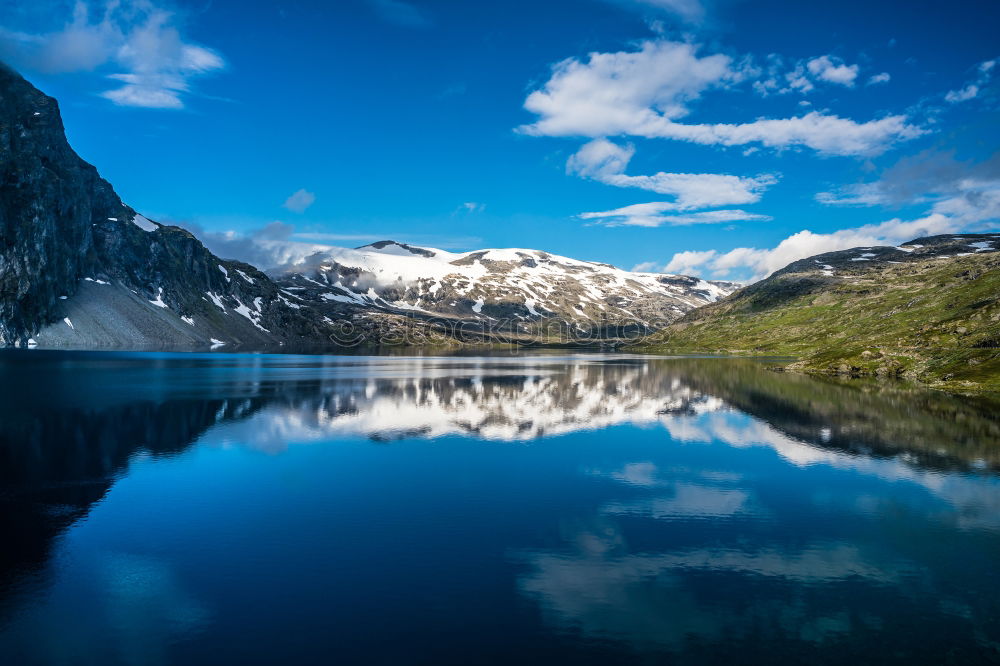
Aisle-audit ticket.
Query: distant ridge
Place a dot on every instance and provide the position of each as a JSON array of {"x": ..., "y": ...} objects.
[
  {"x": 927, "y": 310},
  {"x": 520, "y": 287}
]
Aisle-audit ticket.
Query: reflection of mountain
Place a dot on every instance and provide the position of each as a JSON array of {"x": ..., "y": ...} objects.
[
  {"x": 55, "y": 464},
  {"x": 517, "y": 399},
  {"x": 496, "y": 400},
  {"x": 77, "y": 420},
  {"x": 930, "y": 428}
]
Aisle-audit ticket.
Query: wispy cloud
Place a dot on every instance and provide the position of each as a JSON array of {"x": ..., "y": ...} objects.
[
  {"x": 929, "y": 175},
  {"x": 605, "y": 161},
  {"x": 972, "y": 89},
  {"x": 138, "y": 44},
  {"x": 659, "y": 213},
  {"x": 401, "y": 13},
  {"x": 278, "y": 243},
  {"x": 299, "y": 201},
  {"x": 264, "y": 247},
  {"x": 692, "y": 11},
  {"x": 442, "y": 242},
  {"x": 961, "y": 197},
  {"x": 858, "y": 194}
]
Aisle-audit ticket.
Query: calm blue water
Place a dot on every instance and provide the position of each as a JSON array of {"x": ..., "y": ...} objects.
[{"x": 252, "y": 509}]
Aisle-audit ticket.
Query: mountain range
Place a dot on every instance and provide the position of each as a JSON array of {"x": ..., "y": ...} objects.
[
  {"x": 79, "y": 268},
  {"x": 518, "y": 291}
]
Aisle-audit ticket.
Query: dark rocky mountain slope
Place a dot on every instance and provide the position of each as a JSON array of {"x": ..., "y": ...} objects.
[{"x": 78, "y": 267}]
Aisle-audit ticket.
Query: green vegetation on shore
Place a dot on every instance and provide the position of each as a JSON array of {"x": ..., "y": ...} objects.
[{"x": 934, "y": 320}]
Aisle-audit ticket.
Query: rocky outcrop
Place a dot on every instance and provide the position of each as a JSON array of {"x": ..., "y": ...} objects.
[{"x": 67, "y": 241}]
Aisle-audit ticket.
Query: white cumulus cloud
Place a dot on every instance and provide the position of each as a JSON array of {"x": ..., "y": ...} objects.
[
  {"x": 622, "y": 92},
  {"x": 138, "y": 44},
  {"x": 830, "y": 69},
  {"x": 687, "y": 262},
  {"x": 646, "y": 92}
]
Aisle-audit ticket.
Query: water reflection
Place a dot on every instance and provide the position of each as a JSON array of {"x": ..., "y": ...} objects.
[
  {"x": 730, "y": 564},
  {"x": 704, "y": 507}
]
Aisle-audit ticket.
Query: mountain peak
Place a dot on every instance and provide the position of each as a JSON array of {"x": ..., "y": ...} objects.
[{"x": 395, "y": 247}]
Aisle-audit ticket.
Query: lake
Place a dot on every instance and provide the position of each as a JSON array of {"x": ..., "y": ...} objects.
[{"x": 162, "y": 508}]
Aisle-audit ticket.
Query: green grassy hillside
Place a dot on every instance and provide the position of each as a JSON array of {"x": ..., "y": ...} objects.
[{"x": 933, "y": 318}]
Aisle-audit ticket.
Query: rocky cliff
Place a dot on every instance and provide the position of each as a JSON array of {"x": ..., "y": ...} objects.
[{"x": 79, "y": 267}]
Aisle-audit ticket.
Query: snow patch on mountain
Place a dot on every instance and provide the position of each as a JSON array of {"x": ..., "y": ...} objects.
[
  {"x": 142, "y": 222},
  {"x": 494, "y": 284}
]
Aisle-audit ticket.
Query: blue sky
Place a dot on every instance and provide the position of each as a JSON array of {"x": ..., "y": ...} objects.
[{"x": 713, "y": 137}]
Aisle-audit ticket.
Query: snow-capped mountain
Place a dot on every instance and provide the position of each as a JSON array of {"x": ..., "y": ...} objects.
[
  {"x": 494, "y": 287},
  {"x": 80, "y": 268}
]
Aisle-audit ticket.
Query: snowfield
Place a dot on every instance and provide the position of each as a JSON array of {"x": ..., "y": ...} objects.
[{"x": 493, "y": 283}]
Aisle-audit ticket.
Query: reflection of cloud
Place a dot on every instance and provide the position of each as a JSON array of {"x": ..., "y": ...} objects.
[
  {"x": 687, "y": 499},
  {"x": 701, "y": 497},
  {"x": 975, "y": 505},
  {"x": 105, "y": 608},
  {"x": 646, "y": 599},
  {"x": 638, "y": 474},
  {"x": 148, "y": 607},
  {"x": 728, "y": 533}
]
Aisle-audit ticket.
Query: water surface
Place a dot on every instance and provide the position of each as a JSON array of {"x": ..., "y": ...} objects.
[{"x": 257, "y": 509}]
